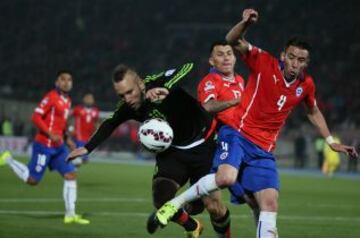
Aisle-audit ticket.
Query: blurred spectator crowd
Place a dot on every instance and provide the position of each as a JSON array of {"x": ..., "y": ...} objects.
[{"x": 90, "y": 37}]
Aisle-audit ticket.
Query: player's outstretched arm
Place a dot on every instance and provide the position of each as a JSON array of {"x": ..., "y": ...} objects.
[
  {"x": 317, "y": 119},
  {"x": 107, "y": 127},
  {"x": 214, "y": 106},
  {"x": 236, "y": 35}
]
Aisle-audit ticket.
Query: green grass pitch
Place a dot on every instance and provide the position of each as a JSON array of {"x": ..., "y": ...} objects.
[{"x": 117, "y": 200}]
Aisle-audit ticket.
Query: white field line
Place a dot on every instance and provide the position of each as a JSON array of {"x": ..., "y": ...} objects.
[
  {"x": 56, "y": 200},
  {"x": 234, "y": 216},
  {"x": 145, "y": 200}
]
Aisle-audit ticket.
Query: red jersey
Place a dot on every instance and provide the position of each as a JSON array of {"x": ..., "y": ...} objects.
[
  {"x": 85, "y": 121},
  {"x": 268, "y": 98},
  {"x": 218, "y": 87},
  {"x": 51, "y": 116}
]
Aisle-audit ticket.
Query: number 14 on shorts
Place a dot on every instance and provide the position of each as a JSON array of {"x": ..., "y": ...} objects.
[{"x": 224, "y": 146}]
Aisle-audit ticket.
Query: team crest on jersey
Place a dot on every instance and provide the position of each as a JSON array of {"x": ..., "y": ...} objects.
[
  {"x": 169, "y": 72},
  {"x": 209, "y": 86},
  {"x": 299, "y": 91},
  {"x": 224, "y": 155}
]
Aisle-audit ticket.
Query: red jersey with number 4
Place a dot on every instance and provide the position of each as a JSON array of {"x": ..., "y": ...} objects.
[
  {"x": 85, "y": 122},
  {"x": 268, "y": 98},
  {"x": 220, "y": 88},
  {"x": 51, "y": 116}
]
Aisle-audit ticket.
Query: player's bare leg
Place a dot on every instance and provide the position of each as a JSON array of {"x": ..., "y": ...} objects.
[
  {"x": 219, "y": 214},
  {"x": 252, "y": 203},
  {"x": 163, "y": 190},
  {"x": 268, "y": 203},
  {"x": 224, "y": 177}
]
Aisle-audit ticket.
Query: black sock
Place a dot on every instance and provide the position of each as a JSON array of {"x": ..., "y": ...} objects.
[
  {"x": 222, "y": 225},
  {"x": 185, "y": 220}
]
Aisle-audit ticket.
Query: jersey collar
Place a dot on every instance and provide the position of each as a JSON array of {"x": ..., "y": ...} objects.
[
  {"x": 288, "y": 84},
  {"x": 64, "y": 96},
  {"x": 225, "y": 78}
]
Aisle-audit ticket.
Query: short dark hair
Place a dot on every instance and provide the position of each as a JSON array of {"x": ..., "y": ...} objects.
[
  {"x": 298, "y": 42},
  {"x": 218, "y": 42},
  {"x": 120, "y": 71},
  {"x": 63, "y": 71}
]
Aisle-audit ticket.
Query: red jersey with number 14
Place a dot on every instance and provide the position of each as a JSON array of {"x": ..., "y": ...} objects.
[
  {"x": 85, "y": 121},
  {"x": 268, "y": 98},
  {"x": 220, "y": 88},
  {"x": 51, "y": 116}
]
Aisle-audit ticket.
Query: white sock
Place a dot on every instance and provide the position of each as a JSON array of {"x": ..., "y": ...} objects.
[
  {"x": 70, "y": 194},
  {"x": 267, "y": 225},
  {"x": 20, "y": 169},
  {"x": 203, "y": 187}
]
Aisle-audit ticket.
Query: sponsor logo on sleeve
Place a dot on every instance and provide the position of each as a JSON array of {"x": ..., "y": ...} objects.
[
  {"x": 170, "y": 72},
  {"x": 209, "y": 86}
]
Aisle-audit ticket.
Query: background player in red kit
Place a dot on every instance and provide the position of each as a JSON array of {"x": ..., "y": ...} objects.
[
  {"x": 274, "y": 88},
  {"x": 86, "y": 118},
  {"x": 50, "y": 118}
]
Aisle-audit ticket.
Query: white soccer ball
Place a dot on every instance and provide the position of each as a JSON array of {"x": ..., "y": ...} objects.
[{"x": 156, "y": 135}]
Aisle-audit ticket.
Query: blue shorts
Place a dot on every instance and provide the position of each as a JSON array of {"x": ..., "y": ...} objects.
[
  {"x": 43, "y": 157},
  {"x": 79, "y": 144},
  {"x": 257, "y": 167}
]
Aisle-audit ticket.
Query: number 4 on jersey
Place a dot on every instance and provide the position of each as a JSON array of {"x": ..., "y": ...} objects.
[{"x": 281, "y": 102}]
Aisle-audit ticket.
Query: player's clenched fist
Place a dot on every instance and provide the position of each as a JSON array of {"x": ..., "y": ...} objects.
[
  {"x": 157, "y": 94},
  {"x": 250, "y": 15}
]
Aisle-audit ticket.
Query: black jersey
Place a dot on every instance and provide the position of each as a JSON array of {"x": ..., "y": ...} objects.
[{"x": 189, "y": 121}]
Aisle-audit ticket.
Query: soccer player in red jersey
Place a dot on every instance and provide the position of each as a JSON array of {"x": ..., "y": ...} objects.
[
  {"x": 273, "y": 89},
  {"x": 86, "y": 118},
  {"x": 49, "y": 150},
  {"x": 220, "y": 90}
]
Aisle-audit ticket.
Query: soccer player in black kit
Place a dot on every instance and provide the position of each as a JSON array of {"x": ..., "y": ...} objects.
[{"x": 190, "y": 155}]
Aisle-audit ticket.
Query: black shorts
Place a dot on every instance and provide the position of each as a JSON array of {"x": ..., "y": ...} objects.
[{"x": 185, "y": 165}]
